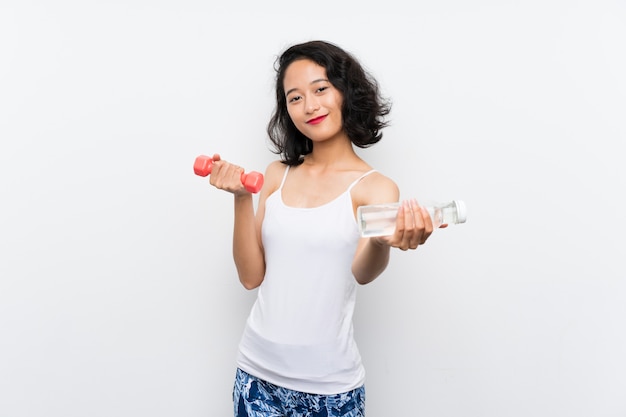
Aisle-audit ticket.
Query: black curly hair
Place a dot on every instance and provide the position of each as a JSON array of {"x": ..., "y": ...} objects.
[{"x": 363, "y": 110}]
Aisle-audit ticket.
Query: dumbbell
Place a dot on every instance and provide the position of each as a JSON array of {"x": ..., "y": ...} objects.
[{"x": 252, "y": 181}]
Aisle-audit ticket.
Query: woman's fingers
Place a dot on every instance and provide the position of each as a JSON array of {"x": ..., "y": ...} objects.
[
  {"x": 399, "y": 239},
  {"x": 413, "y": 226},
  {"x": 428, "y": 225},
  {"x": 225, "y": 175}
]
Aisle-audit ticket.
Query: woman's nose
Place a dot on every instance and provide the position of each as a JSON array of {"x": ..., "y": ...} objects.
[{"x": 312, "y": 105}]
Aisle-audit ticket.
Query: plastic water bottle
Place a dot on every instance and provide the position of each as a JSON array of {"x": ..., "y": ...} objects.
[{"x": 380, "y": 219}]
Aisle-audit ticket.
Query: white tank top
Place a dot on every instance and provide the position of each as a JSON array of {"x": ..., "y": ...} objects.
[{"x": 299, "y": 334}]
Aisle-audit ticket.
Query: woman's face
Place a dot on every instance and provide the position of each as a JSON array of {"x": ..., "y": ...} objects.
[{"x": 313, "y": 103}]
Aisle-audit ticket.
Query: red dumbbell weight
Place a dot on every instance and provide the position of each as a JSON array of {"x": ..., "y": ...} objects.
[{"x": 252, "y": 181}]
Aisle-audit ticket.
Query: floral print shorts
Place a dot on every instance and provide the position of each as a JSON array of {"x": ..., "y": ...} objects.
[{"x": 253, "y": 397}]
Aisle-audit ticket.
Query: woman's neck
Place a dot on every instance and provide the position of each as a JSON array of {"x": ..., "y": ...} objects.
[{"x": 326, "y": 154}]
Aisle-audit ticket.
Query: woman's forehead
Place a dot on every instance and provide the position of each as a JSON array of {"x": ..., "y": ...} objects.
[{"x": 304, "y": 71}]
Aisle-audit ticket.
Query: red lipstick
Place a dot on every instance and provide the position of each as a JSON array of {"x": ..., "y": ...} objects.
[{"x": 316, "y": 120}]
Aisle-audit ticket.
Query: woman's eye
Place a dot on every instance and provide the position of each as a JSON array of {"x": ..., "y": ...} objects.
[
  {"x": 321, "y": 89},
  {"x": 293, "y": 99}
]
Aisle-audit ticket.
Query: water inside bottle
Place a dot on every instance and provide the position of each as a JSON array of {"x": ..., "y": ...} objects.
[
  {"x": 377, "y": 220},
  {"x": 380, "y": 219}
]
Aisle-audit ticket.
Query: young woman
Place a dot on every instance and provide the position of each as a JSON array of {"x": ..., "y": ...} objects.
[{"x": 302, "y": 249}]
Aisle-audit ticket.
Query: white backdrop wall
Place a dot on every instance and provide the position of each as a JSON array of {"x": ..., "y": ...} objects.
[{"x": 118, "y": 294}]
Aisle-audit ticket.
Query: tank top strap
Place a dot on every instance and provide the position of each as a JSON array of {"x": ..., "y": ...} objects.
[
  {"x": 359, "y": 179},
  {"x": 284, "y": 178}
]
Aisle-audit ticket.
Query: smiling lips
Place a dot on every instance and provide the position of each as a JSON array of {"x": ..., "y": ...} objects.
[{"x": 317, "y": 120}]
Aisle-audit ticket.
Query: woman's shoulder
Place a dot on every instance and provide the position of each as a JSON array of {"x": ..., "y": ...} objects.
[
  {"x": 376, "y": 188},
  {"x": 275, "y": 170},
  {"x": 274, "y": 173}
]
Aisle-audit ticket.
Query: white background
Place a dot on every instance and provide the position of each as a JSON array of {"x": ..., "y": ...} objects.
[{"x": 118, "y": 293}]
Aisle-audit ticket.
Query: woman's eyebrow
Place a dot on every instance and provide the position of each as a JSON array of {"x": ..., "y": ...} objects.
[{"x": 311, "y": 83}]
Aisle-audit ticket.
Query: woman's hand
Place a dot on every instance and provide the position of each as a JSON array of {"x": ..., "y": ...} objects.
[
  {"x": 413, "y": 227},
  {"x": 226, "y": 176}
]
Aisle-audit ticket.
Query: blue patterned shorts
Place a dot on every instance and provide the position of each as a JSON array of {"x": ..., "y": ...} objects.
[{"x": 253, "y": 397}]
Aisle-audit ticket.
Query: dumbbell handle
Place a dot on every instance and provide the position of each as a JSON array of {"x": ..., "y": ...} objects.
[{"x": 252, "y": 181}]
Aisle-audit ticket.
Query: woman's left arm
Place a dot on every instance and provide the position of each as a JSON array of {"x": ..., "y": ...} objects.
[{"x": 413, "y": 227}]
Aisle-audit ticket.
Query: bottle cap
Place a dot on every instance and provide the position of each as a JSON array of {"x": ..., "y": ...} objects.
[{"x": 461, "y": 211}]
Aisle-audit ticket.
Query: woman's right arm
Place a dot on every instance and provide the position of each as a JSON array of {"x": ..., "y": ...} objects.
[
  {"x": 247, "y": 248},
  {"x": 248, "y": 252}
]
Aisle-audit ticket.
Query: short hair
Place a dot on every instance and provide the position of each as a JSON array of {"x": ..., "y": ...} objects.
[{"x": 363, "y": 109}]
